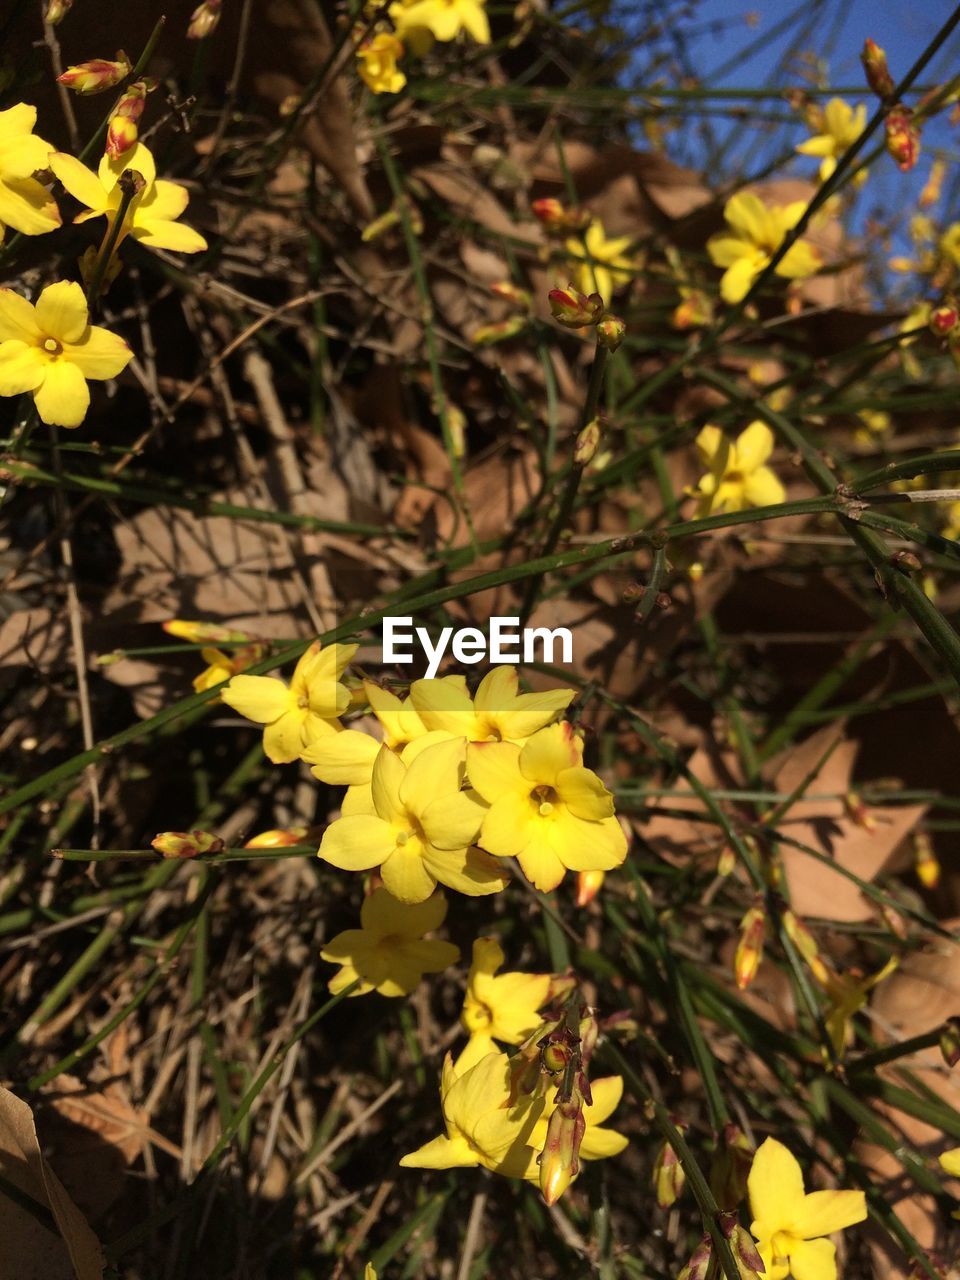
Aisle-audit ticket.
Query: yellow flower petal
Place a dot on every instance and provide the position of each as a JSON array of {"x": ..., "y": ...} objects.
[
  {"x": 442, "y": 1153},
  {"x": 99, "y": 354},
  {"x": 405, "y": 872},
  {"x": 27, "y": 206},
  {"x": 754, "y": 446},
  {"x": 541, "y": 865},
  {"x": 357, "y": 843},
  {"x": 950, "y": 1162},
  {"x": 584, "y": 794},
  {"x": 63, "y": 398},
  {"x": 436, "y": 771},
  {"x": 18, "y": 317},
  {"x": 813, "y": 1260},
  {"x": 508, "y": 826},
  {"x": 82, "y": 183},
  {"x": 22, "y": 367},
  {"x": 139, "y": 158},
  {"x": 748, "y": 214},
  {"x": 739, "y": 276},
  {"x": 259, "y": 698},
  {"x": 453, "y": 821},
  {"x": 62, "y": 311},
  {"x": 442, "y": 704},
  {"x": 468, "y": 871},
  {"x": 283, "y": 738},
  {"x": 494, "y": 769},
  {"x": 388, "y": 773},
  {"x": 342, "y": 759},
  {"x": 823, "y": 1212},
  {"x": 383, "y": 914},
  {"x": 800, "y": 260},
  {"x": 775, "y": 1184},
  {"x": 548, "y": 753},
  {"x": 763, "y": 489},
  {"x": 157, "y": 233}
]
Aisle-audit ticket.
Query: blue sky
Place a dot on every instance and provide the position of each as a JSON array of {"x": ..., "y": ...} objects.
[{"x": 833, "y": 30}]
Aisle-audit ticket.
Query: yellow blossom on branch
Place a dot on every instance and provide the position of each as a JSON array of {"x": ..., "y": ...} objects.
[
  {"x": 737, "y": 477},
  {"x": 840, "y": 126},
  {"x": 51, "y": 349},
  {"x": 789, "y": 1223},
  {"x": 950, "y": 1162},
  {"x": 296, "y": 714},
  {"x": 378, "y": 58},
  {"x": 25, "y": 204},
  {"x": 755, "y": 233},
  {"x": 601, "y": 265},
  {"x": 421, "y": 830},
  {"x": 440, "y": 19},
  {"x": 545, "y": 808},
  {"x": 481, "y": 1127},
  {"x": 499, "y": 1006},
  {"x": 153, "y": 213},
  {"x": 389, "y": 952},
  {"x": 498, "y": 712}
]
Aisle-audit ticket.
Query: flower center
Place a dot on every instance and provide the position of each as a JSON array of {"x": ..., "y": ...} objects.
[
  {"x": 52, "y": 346},
  {"x": 545, "y": 798}
]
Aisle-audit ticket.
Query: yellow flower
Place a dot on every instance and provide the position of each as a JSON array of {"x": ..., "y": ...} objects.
[
  {"x": 950, "y": 1162},
  {"x": 848, "y": 995},
  {"x": 598, "y": 1143},
  {"x": 298, "y": 714},
  {"x": 503, "y": 1007},
  {"x": 840, "y": 126},
  {"x": 389, "y": 952},
  {"x": 545, "y": 808},
  {"x": 369, "y": 1273},
  {"x": 378, "y": 58},
  {"x": 25, "y": 204},
  {"x": 602, "y": 265},
  {"x": 789, "y": 1224},
  {"x": 152, "y": 214},
  {"x": 755, "y": 233},
  {"x": 443, "y": 19},
  {"x": 51, "y": 349},
  {"x": 421, "y": 830},
  {"x": 497, "y": 712},
  {"x": 737, "y": 477},
  {"x": 221, "y": 666},
  {"x": 482, "y": 1129}
]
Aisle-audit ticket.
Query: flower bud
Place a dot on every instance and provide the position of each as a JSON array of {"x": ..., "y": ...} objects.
[
  {"x": 903, "y": 137},
  {"x": 203, "y": 632},
  {"x": 56, "y": 11},
  {"x": 513, "y": 293},
  {"x": 726, "y": 863},
  {"x": 587, "y": 443},
  {"x": 933, "y": 187},
  {"x": 731, "y": 1166},
  {"x": 204, "y": 19},
  {"x": 874, "y": 61},
  {"x": 124, "y": 119},
  {"x": 589, "y": 884},
  {"x": 858, "y": 812},
  {"x": 801, "y": 937},
  {"x": 743, "y": 1247},
  {"x": 560, "y": 1159},
  {"x": 950, "y": 1041},
  {"x": 746, "y": 962},
  {"x": 186, "y": 844},
  {"x": 944, "y": 319},
  {"x": 610, "y": 332},
  {"x": 574, "y": 309},
  {"x": 589, "y": 1035},
  {"x": 558, "y": 220},
  {"x": 699, "y": 1264},
  {"x": 693, "y": 312},
  {"x": 96, "y": 76},
  {"x": 555, "y": 1057},
  {"x": 927, "y": 864},
  {"x": 489, "y": 334},
  {"x": 668, "y": 1175},
  {"x": 278, "y": 838}
]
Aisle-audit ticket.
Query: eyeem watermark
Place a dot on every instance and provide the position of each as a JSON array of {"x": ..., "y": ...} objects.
[{"x": 507, "y": 642}]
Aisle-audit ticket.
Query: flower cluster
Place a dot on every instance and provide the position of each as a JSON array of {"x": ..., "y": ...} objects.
[
  {"x": 414, "y": 26},
  {"x": 51, "y": 350}
]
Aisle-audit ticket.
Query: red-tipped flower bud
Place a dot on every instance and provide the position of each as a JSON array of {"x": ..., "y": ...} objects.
[
  {"x": 950, "y": 1041},
  {"x": 753, "y": 928},
  {"x": 587, "y": 444},
  {"x": 186, "y": 844},
  {"x": 558, "y": 220},
  {"x": 489, "y": 334},
  {"x": 96, "y": 76},
  {"x": 56, "y": 11},
  {"x": 903, "y": 137},
  {"x": 668, "y": 1175},
  {"x": 560, "y": 1158},
  {"x": 875, "y": 65},
  {"x": 944, "y": 319},
  {"x": 589, "y": 884},
  {"x": 513, "y": 293},
  {"x": 699, "y": 1264},
  {"x": 574, "y": 309},
  {"x": 122, "y": 128}
]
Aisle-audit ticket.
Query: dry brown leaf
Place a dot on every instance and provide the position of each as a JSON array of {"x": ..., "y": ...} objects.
[
  {"x": 28, "y": 1251},
  {"x": 825, "y": 825}
]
